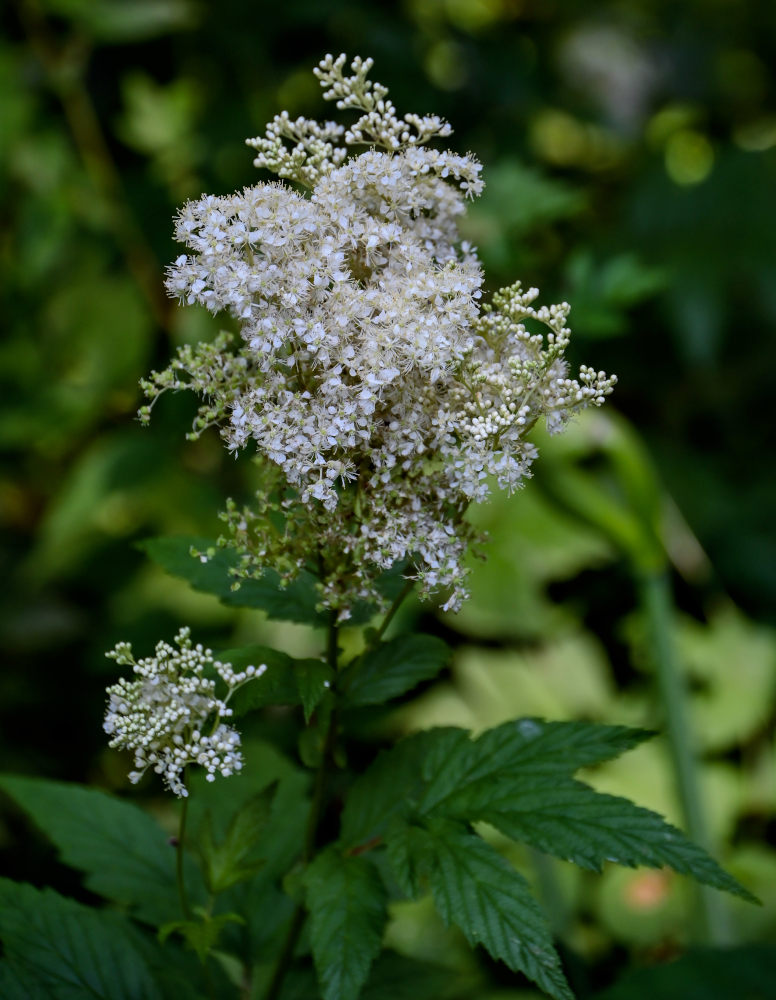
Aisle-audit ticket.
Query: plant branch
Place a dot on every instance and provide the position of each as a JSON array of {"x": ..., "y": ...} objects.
[{"x": 403, "y": 593}]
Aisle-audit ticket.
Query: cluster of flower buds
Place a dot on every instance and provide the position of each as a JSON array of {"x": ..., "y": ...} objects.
[{"x": 170, "y": 716}]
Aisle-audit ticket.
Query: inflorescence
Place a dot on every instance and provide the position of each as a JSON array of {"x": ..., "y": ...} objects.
[
  {"x": 171, "y": 716},
  {"x": 380, "y": 394}
]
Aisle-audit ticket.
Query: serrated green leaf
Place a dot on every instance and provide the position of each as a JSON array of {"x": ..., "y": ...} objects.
[
  {"x": 124, "y": 853},
  {"x": 529, "y": 747},
  {"x": 230, "y": 861},
  {"x": 570, "y": 820},
  {"x": 394, "y": 668},
  {"x": 476, "y": 889},
  {"x": 20, "y": 984},
  {"x": 295, "y": 602},
  {"x": 313, "y": 680},
  {"x": 71, "y": 950},
  {"x": 347, "y": 903},
  {"x": 393, "y": 784}
]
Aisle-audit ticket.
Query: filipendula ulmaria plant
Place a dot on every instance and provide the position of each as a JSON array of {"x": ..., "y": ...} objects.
[{"x": 380, "y": 397}]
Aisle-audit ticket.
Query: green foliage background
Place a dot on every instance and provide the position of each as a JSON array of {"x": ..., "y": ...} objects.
[{"x": 630, "y": 163}]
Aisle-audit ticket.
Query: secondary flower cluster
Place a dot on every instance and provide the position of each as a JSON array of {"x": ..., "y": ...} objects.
[
  {"x": 170, "y": 715},
  {"x": 367, "y": 373}
]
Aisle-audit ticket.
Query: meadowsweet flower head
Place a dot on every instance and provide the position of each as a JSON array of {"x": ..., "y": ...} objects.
[
  {"x": 171, "y": 715},
  {"x": 381, "y": 395}
]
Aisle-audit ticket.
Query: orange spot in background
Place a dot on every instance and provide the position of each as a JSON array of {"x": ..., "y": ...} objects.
[{"x": 648, "y": 890}]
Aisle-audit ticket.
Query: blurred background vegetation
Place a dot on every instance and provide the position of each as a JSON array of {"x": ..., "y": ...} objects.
[{"x": 630, "y": 161}]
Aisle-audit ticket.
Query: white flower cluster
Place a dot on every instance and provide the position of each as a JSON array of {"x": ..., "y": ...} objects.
[
  {"x": 367, "y": 370},
  {"x": 170, "y": 715}
]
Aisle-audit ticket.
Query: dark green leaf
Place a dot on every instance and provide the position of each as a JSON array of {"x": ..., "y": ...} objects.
[
  {"x": 528, "y": 747},
  {"x": 276, "y": 686},
  {"x": 395, "y": 977},
  {"x": 286, "y": 681},
  {"x": 475, "y": 888},
  {"x": 390, "y": 584},
  {"x": 201, "y": 935},
  {"x": 347, "y": 903},
  {"x": 20, "y": 984},
  {"x": 394, "y": 668},
  {"x": 233, "y": 859},
  {"x": 125, "y": 853},
  {"x": 568, "y": 819},
  {"x": 279, "y": 844},
  {"x": 393, "y": 784},
  {"x": 704, "y": 974},
  {"x": 295, "y": 602},
  {"x": 313, "y": 680},
  {"x": 71, "y": 950}
]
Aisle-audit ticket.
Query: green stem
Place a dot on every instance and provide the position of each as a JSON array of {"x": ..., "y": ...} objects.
[
  {"x": 657, "y": 603},
  {"x": 299, "y": 916},
  {"x": 404, "y": 592},
  {"x": 331, "y": 645},
  {"x": 182, "y": 894}
]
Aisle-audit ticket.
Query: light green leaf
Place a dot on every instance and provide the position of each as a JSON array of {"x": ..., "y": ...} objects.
[
  {"x": 125, "y": 853},
  {"x": 70, "y": 950},
  {"x": 520, "y": 198},
  {"x": 475, "y": 888},
  {"x": 394, "y": 668},
  {"x": 295, "y": 602},
  {"x": 347, "y": 903},
  {"x": 120, "y": 21}
]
